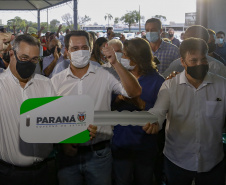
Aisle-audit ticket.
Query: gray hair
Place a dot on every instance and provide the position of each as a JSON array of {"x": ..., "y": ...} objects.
[
  {"x": 115, "y": 41},
  {"x": 27, "y": 39}
]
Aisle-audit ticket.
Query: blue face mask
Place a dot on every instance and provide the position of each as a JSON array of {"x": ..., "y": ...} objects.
[
  {"x": 152, "y": 36},
  {"x": 219, "y": 41}
]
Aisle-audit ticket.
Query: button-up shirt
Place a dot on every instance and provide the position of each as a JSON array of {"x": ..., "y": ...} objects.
[
  {"x": 97, "y": 83},
  {"x": 13, "y": 150},
  {"x": 166, "y": 53},
  {"x": 47, "y": 61},
  {"x": 215, "y": 67},
  {"x": 195, "y": 121}
]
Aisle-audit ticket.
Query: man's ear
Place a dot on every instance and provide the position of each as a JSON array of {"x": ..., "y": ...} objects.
[
  {"x": 66, "y": 53},
  {"x": 11, "y": 53},
  {"x": 182, "y": 62}
]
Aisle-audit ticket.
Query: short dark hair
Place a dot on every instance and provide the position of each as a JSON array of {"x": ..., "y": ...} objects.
[
  {"x": 192, "y": 45},
  {"x": 109, "y": 28},
  {"x": 154, "y": 20},
  {"x": 77, "y": 33},
  {"x": 198, "y": 31},
  {"x": 221, "y": 32},
  {"x": 27, "y": 39},
  {"x": 52, "y": 33},
  {"x": 139, "y": 51},
  {"x": 2, "y": 29}
]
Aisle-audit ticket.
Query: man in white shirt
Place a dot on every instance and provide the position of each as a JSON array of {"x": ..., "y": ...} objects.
[
  {"x": 194, "y": 103},
  {"x": 22, "y": 163},
  {"x": 52, "y": 60},
  {"x": 92, "y": 161},
  {"x": 215, "y": 66}
]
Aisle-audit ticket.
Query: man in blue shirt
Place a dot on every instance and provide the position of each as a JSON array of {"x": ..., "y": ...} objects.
[
  {"x": 171, "y": 37},
  {"x": 165, "y": 52},
  {"x": 221, "y": 45}
]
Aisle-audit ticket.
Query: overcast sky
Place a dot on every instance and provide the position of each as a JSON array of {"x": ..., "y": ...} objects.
[{"x": 174, "y": 10}]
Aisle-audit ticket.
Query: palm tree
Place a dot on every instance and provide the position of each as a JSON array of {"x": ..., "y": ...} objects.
[{"x": 108, "y": 16}]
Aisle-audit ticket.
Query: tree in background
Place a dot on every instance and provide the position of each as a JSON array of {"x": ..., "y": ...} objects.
[
  {"x": 18, "y": 22},
  {"x": 45, "y": 25},
  {"x": 109, "y": 17},
  {"x": 67, "y": 18},
  {"x": 131, "y": 18},
  {"x": 116, "y": 21},
  {"x": 54, "y": 24},
  {"x": 161, "y": 17},
  {"x": 82, "y": 21}
]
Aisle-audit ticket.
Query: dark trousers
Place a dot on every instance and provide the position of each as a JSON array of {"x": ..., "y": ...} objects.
[
  {"x": 12, "y": 175},
  {"x": 179, "y": 176},
  {"x": 133, "y": 167}
]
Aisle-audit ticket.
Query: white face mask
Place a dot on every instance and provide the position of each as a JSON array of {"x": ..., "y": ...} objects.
[
  {"x": 80, "y": 58},
  {"x": 126, "y": 64},
  {"x": 118, "y": 55}
]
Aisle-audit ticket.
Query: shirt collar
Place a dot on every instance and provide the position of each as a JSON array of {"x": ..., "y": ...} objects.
[
  {"x": 91, "y": 69},
  {"x": 162, "y": 45},
  {"x": 183, "y": 79}
]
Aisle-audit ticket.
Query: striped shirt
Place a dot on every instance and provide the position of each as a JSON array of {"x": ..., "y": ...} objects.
[{"x": 166, "y": 53}]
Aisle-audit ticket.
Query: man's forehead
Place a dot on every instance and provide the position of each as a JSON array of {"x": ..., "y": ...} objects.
[
  {"x": 194, "y": 54},
  {"x": 151, "y": 24},
  {"x": 220, "y": 35},
  {"x": 26, "y": 49},
  {"x": 78, "y": 40}
]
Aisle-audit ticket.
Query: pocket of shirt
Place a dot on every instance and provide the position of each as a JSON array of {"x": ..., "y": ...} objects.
[{"x": 214, "y": 109}]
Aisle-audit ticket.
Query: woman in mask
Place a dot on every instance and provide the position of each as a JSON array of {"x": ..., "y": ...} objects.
[
  {"x": 97, "y": 55},
  {"x": 134, "y": 151}
]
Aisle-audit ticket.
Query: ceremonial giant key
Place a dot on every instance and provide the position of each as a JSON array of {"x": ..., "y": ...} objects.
[{"x": 64, "y": 119}]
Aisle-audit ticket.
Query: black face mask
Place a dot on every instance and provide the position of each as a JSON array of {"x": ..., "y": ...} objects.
[
  {"x": 24, "y": 69},
  {"x": 6, "y": 57},
  {"x": 198, "y": 72},
  {"x": 170, "y": 35},
  {"x": 212, "y": 47},
  {"x": 53, "y": 50}
]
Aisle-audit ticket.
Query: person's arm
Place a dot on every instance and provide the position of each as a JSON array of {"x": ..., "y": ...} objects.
[
  {"x": 40, "y": 31},
  {"x": 160, "y": 109},
  {"x": 14, "y": 29},
  {"x": 137, "y": 101},
  {"x": 48, "y": 70},
  {"x": 128, "y": 81},
  {"x": 26, "y": 29},
  {"x": 58, "y": 31}
]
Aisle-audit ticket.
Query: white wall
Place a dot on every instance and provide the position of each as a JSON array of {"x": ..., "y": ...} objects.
[{"x": 212, "y": 14}]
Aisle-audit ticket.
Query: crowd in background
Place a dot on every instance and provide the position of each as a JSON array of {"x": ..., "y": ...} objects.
[{"x": 182, "y": 83}]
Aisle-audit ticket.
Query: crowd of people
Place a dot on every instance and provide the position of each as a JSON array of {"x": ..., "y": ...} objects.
[{"x": 182, "y": 83}]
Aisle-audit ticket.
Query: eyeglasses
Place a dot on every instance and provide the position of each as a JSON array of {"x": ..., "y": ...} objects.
[{"x": 25, "y": 58}]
